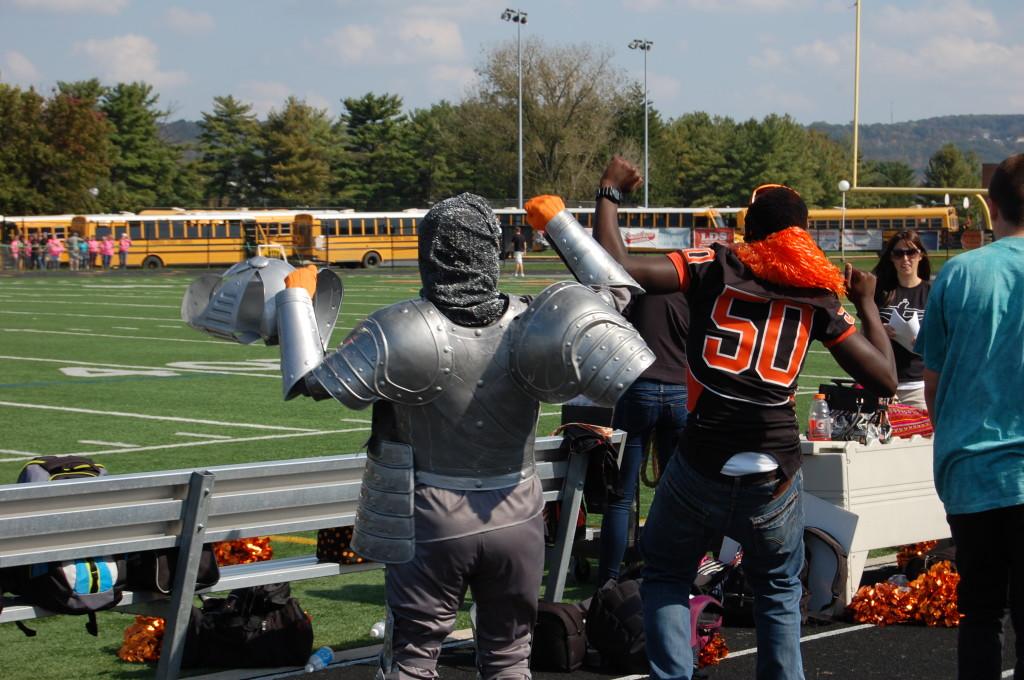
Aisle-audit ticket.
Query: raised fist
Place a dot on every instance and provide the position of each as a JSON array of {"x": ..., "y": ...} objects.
[{"x": 303, "y": 278}]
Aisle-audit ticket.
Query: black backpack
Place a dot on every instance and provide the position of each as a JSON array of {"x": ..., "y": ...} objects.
[
  {"x": 82, "y": 586},
  {"x": 258, "y": 627},
  {"x": 615, "y": 626},
  {"x": 822, "y": 553},
  {"x": 559, "y": 638}
]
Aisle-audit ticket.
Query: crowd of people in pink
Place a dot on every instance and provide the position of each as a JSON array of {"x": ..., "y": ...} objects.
[{"x": 47, "y": 251}]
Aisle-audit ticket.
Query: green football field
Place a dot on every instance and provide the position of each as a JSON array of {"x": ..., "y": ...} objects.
[{"x": 101, "y": 365}]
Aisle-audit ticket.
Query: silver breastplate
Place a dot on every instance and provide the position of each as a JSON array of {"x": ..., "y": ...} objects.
[{"x": 478, "y": 432}]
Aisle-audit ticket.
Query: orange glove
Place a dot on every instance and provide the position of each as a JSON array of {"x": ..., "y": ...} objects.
[
  {"x": 303, "y": 278},
  {"x": 540, "y": 210}
]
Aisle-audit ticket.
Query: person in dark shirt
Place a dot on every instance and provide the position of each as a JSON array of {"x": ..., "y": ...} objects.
[
  {"x": 518, "y": 248},
  {"x": 653, "y": 408},
  {"x": 904, "y": 281},
  {"x": 754, "y": 308}
]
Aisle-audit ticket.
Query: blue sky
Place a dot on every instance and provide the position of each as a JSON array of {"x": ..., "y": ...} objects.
[{"x": 738, "y": 58}]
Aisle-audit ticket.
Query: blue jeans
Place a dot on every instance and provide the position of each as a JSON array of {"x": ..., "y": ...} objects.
[
  {"x": 689, "y": 516},
  {"x": 649, "y": 408}
]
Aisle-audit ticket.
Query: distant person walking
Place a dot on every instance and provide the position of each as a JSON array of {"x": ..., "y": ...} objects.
[
  {"x": 973, "y": 370},
  {"x": 123, "y": 245},
  {"x": 72, "y": 246},
  {"x": 518, "y": 248},
  {"x": 16, "y": 251}
]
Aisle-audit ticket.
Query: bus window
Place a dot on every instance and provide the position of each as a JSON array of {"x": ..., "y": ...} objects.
[
  {"x": 673, "y": 220},
  {"x": 872, "y": 224},
  {"x": 408, "y": 226},
  {"x": 885, "y": 224},
  {"x": 163, "y": 229},
  {"x": 220, "y": 230},
  {"x": 104, "y": 230},
  {"x": 135, "y": 230},
  {"x": 178, "y": 229},
  {"x": 234, "y": 228}
]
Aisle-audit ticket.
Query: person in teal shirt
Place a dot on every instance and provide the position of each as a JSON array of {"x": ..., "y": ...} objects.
[{"x": 972, "y": 342}]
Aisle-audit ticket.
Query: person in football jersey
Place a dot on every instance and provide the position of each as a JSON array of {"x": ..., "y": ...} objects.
[
  {"x": 904, "y": 280},
  {"x": 754, "y": 308}
]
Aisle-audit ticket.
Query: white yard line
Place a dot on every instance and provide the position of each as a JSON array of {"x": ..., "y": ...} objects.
[
  {"x": 29, "y": 454},
  {"x": 99, "y": 442},
  {"x": 50, "y": 300},
  {"x": 251, "y": 372},
  {"x": 124, "y": 328},
  {"x": 183, "y": 445},
  {"x": 106, "y": 335},
  {"x": 95, "y": 316},
  {"x": 202, "y": 435},
  {"x": 144, "y": 416}
]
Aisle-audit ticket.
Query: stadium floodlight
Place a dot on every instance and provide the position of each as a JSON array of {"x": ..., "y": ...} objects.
[
  {"x": 518, "y": 17},
  {"x": 645, "y": 47}
]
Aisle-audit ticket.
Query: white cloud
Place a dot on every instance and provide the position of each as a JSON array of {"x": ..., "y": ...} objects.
[
  {"x": 942, "y": 57},
  {"x": 662, "y": 87},
  {"x": 746, "y": 5},
  {"x": 127, "y": 58},
  {"x": 767, "y": 59},
  {"x": 461, "y": 76},
  {"x": 353, "y": 43},
  {"x": 408, "y": 41},
  {"x": 430, "y": 39},
  {"x": 94, "y": 6},
  {"x": 264, "y": 95},
  {"x": 188, "y": 22},
  {"x": 957, "y": 17},
  {"x": 19, "y": 68},
  {"x": 818, "y": 52}
]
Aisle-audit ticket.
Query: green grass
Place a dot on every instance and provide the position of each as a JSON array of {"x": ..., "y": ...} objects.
[{"x": 100, "y": 364}]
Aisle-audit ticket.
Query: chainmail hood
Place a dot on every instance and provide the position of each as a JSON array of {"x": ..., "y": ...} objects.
[{"x": 458, "y": 256}]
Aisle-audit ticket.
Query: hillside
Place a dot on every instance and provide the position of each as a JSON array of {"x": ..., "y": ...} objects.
[{"x": 991, "y": 138}]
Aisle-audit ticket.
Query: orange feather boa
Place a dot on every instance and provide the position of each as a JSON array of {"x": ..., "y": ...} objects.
[{"x": 791, "y": 258}]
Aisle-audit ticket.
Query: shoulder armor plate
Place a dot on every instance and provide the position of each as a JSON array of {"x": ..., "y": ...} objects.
[
  {"x": 401, "y": 353},
  {"x": 570, "y": 342}
]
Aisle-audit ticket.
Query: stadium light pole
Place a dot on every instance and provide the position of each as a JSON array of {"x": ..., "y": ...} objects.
[
  {"x": 844, "y": 186},
  {"x": 518, "y": 17},
  {"x": 645, "y": 47}
]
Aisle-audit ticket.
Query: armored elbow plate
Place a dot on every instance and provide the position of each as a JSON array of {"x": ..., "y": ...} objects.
[
  {"x": 586, "y": 259},
  {"x": 240, "y": 304},
  {"x": 571, "y": 342}
]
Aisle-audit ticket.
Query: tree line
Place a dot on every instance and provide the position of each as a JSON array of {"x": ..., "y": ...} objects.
[{"x": 89, "y": 147}]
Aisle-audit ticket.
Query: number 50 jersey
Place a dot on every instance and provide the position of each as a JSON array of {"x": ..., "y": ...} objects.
[{"x": 748, "y": 337}]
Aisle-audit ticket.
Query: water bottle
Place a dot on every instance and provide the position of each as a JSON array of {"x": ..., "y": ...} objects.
[
  {"x": 377, "y": 630},
  {"x": 819, "y": 422},
  {"x": 320, "y": 660}
]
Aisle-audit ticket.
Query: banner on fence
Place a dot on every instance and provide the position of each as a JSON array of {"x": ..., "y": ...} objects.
[{"x": 703, "y": 238}]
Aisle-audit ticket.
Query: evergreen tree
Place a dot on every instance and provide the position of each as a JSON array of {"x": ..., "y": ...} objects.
[
  {"x": 379, "y": 158},
  {"x": 229, "y": 144},
  {"x": 78, "y": 162},
  {"x": 888, "y": 174},
  {"x": 950, "y": 167},
  {"x": 144, "y": 166},
  {"x": 299, "y": 144},
  {"x": 434, "y": 135}
]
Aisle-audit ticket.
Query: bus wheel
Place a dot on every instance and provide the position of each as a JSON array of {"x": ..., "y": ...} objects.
[
  {"x": 371, "y": 260},
  {"x": 152, "y": 262}
]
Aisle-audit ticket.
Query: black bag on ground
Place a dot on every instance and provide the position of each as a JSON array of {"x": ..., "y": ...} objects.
[
  {"x": 825, "y": 568},
  {"x": 153, "y": 570},
  {"x": 559, "y": 638},
  {"x": 262, "y": 626},
  {"x": 82, "y": 586},
  {"x": 615, "y": 626},
  {"x": 825, "y": 561},
  {"x": 944, "y": 551}
]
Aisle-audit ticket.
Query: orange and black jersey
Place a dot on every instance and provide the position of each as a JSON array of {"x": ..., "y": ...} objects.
[{"x": 747, "y": 343}]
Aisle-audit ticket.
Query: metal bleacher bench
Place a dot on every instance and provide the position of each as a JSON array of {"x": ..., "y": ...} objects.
[{"x": 186, "y": 508}]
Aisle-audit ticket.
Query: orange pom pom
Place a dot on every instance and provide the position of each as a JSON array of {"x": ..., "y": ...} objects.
[
  {"x": 304, "y": 277},
  {"x": 142, "y": 640},
  {"x": 540, "y": 210}
]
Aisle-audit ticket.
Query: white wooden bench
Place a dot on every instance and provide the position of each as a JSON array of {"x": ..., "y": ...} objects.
[{"x": 187, "y": 508}]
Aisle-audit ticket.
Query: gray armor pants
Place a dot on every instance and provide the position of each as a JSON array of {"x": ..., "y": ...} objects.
[{"x": 503, "y": 570}]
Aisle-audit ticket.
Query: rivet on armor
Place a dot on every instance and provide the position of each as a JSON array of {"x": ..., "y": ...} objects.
[
  {"x": 620, "y": 386},
  {"x": 447, "y": 349},
  {"x": 440, "y": 328},
  {"x": 554, "y": 308},
  {"x": 568, "y": 343},
  {"x": 593, "y": 368},
  {"x": 586, "y": 335},
  {"x": 438, "y": 388},
  {"x": 478, "y": 332},
  {"x": 603, "y": 347},
  {"x": 405, "y": 310},
  {"x": 478, "y": 483},
  {"x": 607, "y": 378},
  {"x": 446, "y": 371},
  {"x": 479, "y": 383},
  {"x": 479, "y": 423}
]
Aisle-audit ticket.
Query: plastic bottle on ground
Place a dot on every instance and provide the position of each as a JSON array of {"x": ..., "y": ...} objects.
[
  {"x": 819, "y": 420},
  {"x": 377, "y": 630},
  {"x": 320, "y": 660}
]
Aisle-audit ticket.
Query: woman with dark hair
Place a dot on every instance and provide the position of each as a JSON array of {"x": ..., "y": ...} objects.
[{"x": 904, "y": 281}]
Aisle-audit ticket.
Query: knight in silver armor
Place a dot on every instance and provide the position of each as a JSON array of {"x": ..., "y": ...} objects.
[{"x": 450, "y": 500}]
